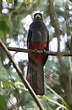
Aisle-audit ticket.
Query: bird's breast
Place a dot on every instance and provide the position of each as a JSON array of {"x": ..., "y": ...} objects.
[
  {"x": 39, "y": 35},
  {"x": 38, "y": 59}
]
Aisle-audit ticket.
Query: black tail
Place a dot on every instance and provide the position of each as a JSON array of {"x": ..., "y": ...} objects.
[{"x": 35, "y": 76}]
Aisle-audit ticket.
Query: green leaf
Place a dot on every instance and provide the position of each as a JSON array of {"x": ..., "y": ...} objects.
[
  {"x": 27, "y": 2},
  {"x": 4, "y": 27},
  {"x": 9, "y": 1},
  {"x": 8, "y": 84},
  {"x": 1, "y": 34},
  {"x": 3, "y": 105},
  {"x": 67, "y": 106},
  {"x": 38, "y": 1},
  {"x": 3, "y": 73}
]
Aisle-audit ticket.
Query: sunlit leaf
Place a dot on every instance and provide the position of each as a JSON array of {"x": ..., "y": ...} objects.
[
  {"x": 7, "y": 84},
  {"x": 19, "y": 85},
  {"x": 27, "y": 1},
  {"x": 9, "y": 1}
]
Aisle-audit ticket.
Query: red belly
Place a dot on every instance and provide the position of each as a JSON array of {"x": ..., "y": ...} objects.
[{"x": 38, "y": 59}]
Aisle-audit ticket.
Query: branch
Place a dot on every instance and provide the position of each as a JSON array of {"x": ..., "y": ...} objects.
[
  {"x": 58, "y": 108},
  {"x": 0, "y": 3},
  {"x": 64, "y": 79},
  {"x": 48, "y": 87},
  {"x": 55, "y": 102},
  {"x": 53, "y": 18},
  {"x": 39, "y": 51},
  {"x": 21, "y": 76}
]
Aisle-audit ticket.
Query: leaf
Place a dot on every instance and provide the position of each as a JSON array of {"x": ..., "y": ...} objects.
[
  {"x": 27, "y": 1},
  {"x": 9, "y": 1},
  {"x": 7, "y": 84},
  {"x": 1, "y": 34},
  {"x": 19, "y": 85},
  {"x": 4, "y": 27},
  {"x": 38, "y": 1},
  {"x": 67, "y": 106},
  {"x": 3, "y": 105},
  {"x": 3, "y": 73}
]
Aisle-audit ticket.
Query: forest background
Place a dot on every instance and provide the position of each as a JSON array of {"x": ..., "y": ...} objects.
[{"x": 15, "y": 18}]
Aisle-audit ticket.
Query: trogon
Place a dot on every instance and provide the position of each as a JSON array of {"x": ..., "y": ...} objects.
[{"x": 38, "y": 38}]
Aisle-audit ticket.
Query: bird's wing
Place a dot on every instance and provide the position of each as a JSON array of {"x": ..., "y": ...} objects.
[
  {"x": 29, "y": 38},
  {"x": 46, "y": 55},
  {"x": 47, "y": 40}
]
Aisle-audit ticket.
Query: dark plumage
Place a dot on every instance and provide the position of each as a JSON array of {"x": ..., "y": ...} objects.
[{"x": 38, "y": 38}]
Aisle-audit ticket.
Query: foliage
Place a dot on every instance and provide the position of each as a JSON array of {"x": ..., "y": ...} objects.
[
  {"x": 9, "y": 1},
  {"x": 3, "y": 105}
]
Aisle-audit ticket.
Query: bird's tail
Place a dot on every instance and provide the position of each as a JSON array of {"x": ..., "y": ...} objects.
[{"x": 35, "y": 76}]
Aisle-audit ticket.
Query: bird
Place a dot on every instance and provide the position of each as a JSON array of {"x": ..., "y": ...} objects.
[{"x": 38, "y": 38}]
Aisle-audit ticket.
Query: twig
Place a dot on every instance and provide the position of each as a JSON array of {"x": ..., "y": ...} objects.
[
  {"x": 56, "y": 95},
  {"x": 39, "y": 51},
  {"x": 21, "y": 76},
  {"x": 0, "y": 1},
  {"x": 53, "y": 18},
  {"x": 58, "y": 108},
  {"x": 49, "y": 107},
  {"x": 55, "y": 102},
  {"x": 53, "y": 91}
]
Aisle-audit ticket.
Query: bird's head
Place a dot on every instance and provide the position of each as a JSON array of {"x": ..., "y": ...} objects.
[{"x": 38, "y": 16}]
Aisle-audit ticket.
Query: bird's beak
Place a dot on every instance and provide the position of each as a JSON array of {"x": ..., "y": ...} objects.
[{"x": 38, "y": 16}]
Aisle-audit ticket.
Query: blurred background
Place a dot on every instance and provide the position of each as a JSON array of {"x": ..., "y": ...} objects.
[{"x": 15, "y": 18}]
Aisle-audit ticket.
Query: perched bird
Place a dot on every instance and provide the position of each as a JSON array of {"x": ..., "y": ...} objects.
[{"x": 38, "y": 38}]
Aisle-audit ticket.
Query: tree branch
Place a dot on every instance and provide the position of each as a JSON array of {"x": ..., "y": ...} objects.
[
  {"x": 53, "y": 18},
  {"x": 39, "y": 51},
  {"x": 55, "y": 102},
  {"x": 48, "y": 87},
  {"x": 21, "y": 76},
  {"x": 64, "y": 78}
]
